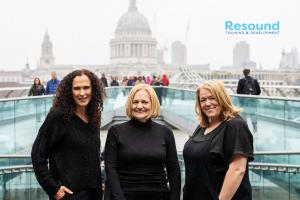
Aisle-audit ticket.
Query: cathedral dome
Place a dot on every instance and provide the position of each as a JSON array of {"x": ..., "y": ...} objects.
[{"x": 133, "y": 21}]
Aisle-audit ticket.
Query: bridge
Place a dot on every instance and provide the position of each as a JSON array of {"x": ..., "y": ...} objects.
[{"x": 274, "y": 174}]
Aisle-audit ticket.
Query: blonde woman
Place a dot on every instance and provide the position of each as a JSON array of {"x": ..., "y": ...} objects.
[
  {"x": 140, "y": 155},
  {"x": 216, "y": 156}
]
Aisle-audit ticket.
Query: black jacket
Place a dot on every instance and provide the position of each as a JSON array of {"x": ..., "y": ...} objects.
[{"x": 36, "y": 91}]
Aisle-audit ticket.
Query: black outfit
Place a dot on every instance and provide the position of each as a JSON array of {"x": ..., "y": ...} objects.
[
  {"x": 136, "y": 155},
  {"x": 207, "y": 158},
  {"x": 36, "y": 90},
  {"x": 104, "y": 81},
  {"x": 73, "y": 151},
  {"x": 158, "y": 90}
]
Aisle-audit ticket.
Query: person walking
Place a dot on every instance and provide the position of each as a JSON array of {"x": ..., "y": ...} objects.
[
  {"x": 249, "y": 86},
  {"x": 36, "y": 88},
  {"x": 52, "y": 84},
  {"x": 104, "y": 80}
]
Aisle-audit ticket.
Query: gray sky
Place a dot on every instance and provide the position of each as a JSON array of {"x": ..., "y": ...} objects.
[{"x": 81, "y": 29}]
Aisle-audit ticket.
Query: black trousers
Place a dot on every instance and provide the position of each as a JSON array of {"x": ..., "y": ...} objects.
[
  {"x": 146, "y": 195},
  {"x": 90, "y": 194}
]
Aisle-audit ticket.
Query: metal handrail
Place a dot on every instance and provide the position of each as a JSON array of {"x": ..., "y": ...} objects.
[
  {"x": 286, "y": 168},
  {"x": 275, "y": 167},
  {"x": 15, "y": 156},
  {"x": 16, "y": 169},
  {"x": 266, "y": 153},
  {"x": 170, "y": 87},
  {"x": 179, "y": 152}
]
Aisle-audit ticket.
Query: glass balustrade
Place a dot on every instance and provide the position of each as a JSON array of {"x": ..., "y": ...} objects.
[
  {"x": 21, "y": 185},
  {"x": 13, "y": 160},
  {"x": 278, "y": 129},
  {"x": 278, "y": 120}
]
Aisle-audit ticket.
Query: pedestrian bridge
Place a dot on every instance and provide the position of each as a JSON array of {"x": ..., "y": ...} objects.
[{"x": 274, "y": 174}]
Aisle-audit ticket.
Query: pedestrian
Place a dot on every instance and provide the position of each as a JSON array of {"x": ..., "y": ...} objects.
[
  {"x": 114, "y": 81},
  {"x": 52, "y": 84},
  {"x": 249, "y": 86},
  {"x": 104, "y": 80},
  {"x": 158, "y": 89},
  {"x": 66, "y": 152},
  {"x": 216, "y": 156},
  {"x": 36, "y": 88}
]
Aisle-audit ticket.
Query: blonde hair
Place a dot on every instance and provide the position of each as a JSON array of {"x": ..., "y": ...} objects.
[
  {"x": 217, "y": 89},
  {"x": 155, "y": 106}
]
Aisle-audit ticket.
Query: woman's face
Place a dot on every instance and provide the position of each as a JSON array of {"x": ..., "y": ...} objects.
[
  {"x": 141, "y": 106},
  {"x": 36, "y": 81},
  {"x": 82, "y": 91},
  {"x": 209, "y": 105}
]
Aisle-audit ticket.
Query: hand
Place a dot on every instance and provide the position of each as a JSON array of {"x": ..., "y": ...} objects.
[{"x": 61, "y": 192}]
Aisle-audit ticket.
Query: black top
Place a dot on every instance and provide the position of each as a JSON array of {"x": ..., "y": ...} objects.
[
  {"x": 73, "y": 151},
  {"x": 136, "y": 155},
  {"x": 207, "y": 158}
]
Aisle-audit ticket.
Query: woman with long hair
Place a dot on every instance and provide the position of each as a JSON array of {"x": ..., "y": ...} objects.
[
  {"x": 69, "y": 140},
  {"x": 216, "y": 156},
  {"x": 36, "y": 88}
]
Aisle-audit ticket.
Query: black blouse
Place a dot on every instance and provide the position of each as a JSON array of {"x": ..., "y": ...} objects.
[
  {"x": 207, "y": 158},
  {"x": 136, "y": 155},
  {"x": 72, "y": 151}
]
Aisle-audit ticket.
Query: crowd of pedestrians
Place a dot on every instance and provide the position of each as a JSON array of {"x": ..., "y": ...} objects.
[{"x": 135, "y": 80}]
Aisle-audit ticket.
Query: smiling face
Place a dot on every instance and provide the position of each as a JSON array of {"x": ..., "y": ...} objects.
[
  {"x": 141, "y": 106},
  {"x": 82, "y": 91},
  {"x": 209, "y": 105}
]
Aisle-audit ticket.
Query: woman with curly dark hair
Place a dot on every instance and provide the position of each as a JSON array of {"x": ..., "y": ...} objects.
[{"x": 69, "y": 140}]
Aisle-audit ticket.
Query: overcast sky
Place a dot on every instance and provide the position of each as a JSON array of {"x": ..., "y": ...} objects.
[{"x": 81, "y": 29}]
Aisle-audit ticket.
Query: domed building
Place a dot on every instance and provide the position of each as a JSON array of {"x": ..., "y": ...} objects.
[
  {"x": 133, "y": 43},
  {"x": 133, "y": 51}
]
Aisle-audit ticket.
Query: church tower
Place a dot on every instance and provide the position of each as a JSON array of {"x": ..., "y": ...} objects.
[{"x": 47, "y": 58}]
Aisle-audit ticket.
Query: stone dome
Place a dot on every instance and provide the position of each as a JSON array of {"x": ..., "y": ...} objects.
[{"x": 133, "y": 21}]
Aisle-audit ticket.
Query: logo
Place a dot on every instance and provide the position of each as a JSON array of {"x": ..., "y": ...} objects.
[{"x": 235, "y": 28}]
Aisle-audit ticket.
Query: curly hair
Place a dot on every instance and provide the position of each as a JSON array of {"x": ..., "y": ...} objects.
[{"x": 64, "y": 97}]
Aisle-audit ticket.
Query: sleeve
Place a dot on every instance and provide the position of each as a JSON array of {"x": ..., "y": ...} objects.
[
  {"x": 30, "y": 91},
  {"x": 239, "y": 89},
  {"x": 172, "y": 166},
  {"x": 237, "y": 140},
  {"x": 111, "y": 164},
  {"x": 257, "y": 87},
  {"x": 47, "y": 88},
  {"x": 41, "y": 151},
  {"x": 43, "y": 88}
]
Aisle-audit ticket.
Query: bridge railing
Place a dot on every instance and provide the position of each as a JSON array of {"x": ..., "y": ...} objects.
[
  {"x": 278, "y": 119},
  {"x": 268, "y": 180}
]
